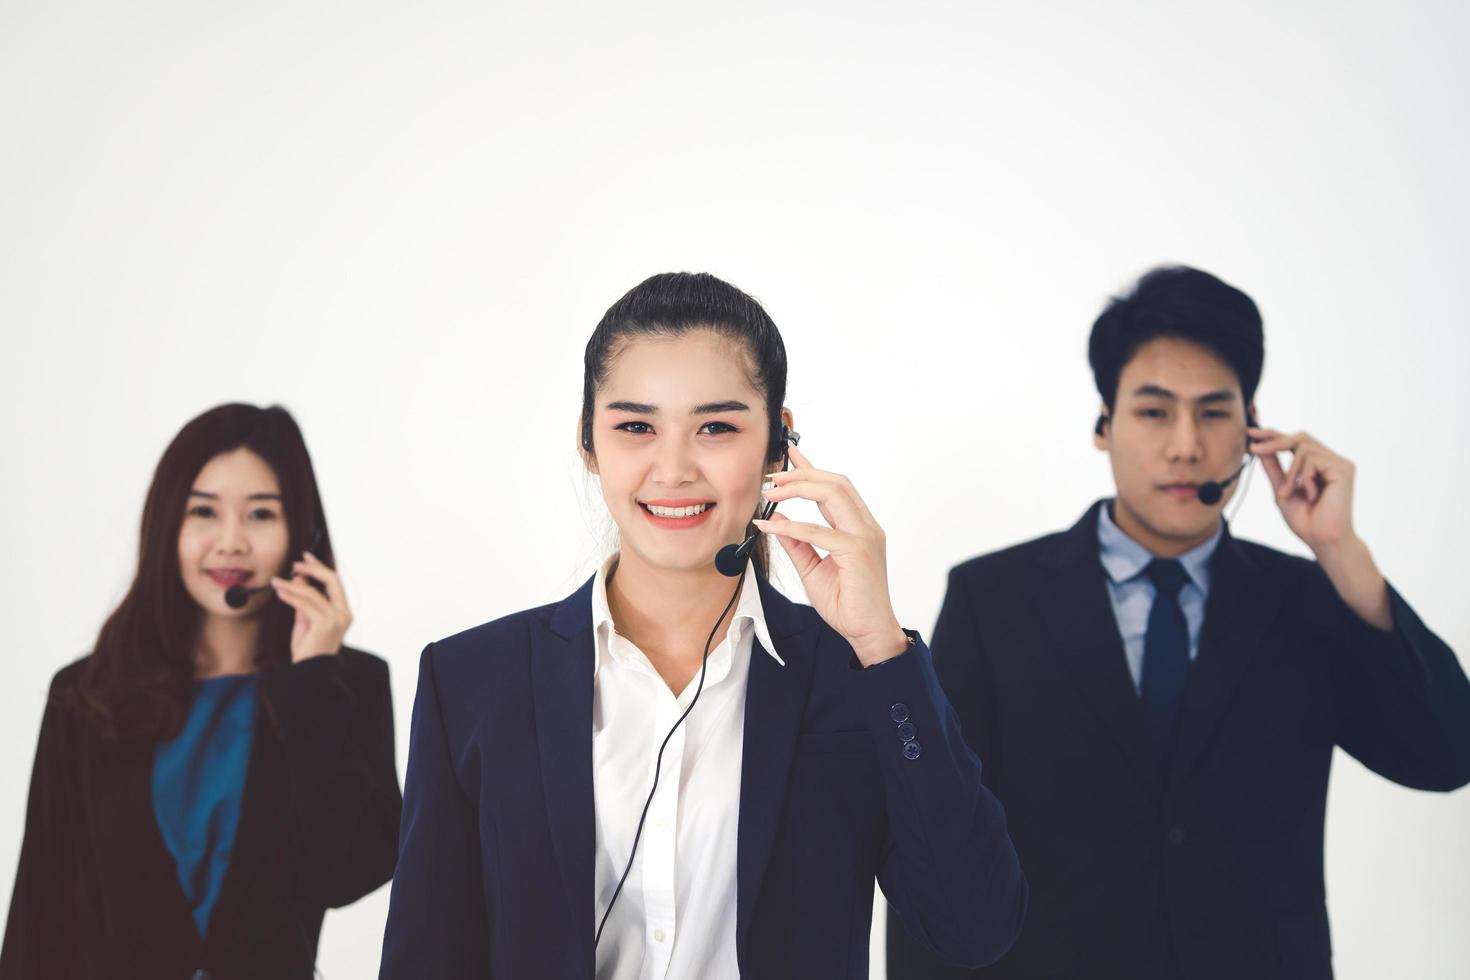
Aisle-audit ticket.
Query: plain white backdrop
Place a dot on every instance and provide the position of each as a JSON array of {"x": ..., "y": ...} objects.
[{"x": 403, "y": 220}]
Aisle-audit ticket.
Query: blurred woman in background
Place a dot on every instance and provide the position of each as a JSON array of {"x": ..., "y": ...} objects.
[{"x": 220, "y": 769}]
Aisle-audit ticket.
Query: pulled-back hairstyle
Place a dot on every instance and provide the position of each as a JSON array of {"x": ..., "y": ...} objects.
[
  {"x": 138, "y": 680},
  {"x": 1177, "y": 301},
  {"x": 676, "y": 303}
]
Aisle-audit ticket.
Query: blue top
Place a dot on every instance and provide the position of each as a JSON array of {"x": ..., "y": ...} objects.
[
  {"x": 1132, "y": 592},
  {"x": 199, "y": 782}
]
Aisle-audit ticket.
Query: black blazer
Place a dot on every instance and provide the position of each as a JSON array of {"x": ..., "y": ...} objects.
[
  {"x": 97, "y": 895},
  {"x": 1216, "y": 872},
  {"x": 496, "y": 869}
]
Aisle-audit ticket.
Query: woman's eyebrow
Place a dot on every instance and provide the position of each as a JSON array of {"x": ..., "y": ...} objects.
[
  {"x": 708, "y": 408},
  {"x": 637, "y": 408},
  {"x": 254, "y": 496}
]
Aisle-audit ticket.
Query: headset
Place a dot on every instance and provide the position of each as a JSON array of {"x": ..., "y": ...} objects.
[{"x": 236, "y": 596}]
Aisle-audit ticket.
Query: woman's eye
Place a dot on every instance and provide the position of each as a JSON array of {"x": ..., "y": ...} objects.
[
  {"x": 201, "y": 510},
  {"x": 262, "y": 514},
  {"x": 717, "y": 428},
  {"x": 637, "y": 428}
]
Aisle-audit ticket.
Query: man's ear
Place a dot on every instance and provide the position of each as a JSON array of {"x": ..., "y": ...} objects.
[
  {"x": 584, "y": 447},
  {"x": 1100, "y": 428},
  {"x": 1251, "y": 418}
]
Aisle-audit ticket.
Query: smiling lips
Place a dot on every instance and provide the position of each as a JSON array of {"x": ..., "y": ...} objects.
[
  {"x": 676, "y": 515},
  {"x": 226, "y": 577}
]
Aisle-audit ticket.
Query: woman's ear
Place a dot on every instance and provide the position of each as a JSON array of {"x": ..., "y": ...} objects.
[
  {"x": 787, "y": 419},
  {"x": 584, "y": 446}
]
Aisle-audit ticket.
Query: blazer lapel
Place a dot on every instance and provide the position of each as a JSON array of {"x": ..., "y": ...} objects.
[
  {"x": 774, "y": 700},
  {"x": 1072, "y": 600},
  {"x": 126, "y": 778},
  {"x": 561, "y": 686},
  {"x": 1245, "y": 599}
]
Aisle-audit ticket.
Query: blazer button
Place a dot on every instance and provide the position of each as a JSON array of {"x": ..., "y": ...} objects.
[
  {"x": 1176, "y": 835},
  {"x": 911, "y": 750},
  {"x": 899, "y": 712},
  {"x": 906, "y": 732},
  {"x": 199, "y": 975}
]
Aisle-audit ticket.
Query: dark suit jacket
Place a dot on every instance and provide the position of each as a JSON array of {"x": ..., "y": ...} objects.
[
  {"x": 1214, "y": 872},
  {"x": 495, "y": 870},
  {"x": 97, "y": 895}
]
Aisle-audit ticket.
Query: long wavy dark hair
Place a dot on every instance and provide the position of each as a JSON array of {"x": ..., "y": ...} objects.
[{"x": 138, "y": 680}]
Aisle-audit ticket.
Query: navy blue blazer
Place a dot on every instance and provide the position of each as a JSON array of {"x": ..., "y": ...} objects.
[
  {"x": 495, "y": 868},
  {"x": 1212, "y": 870}
]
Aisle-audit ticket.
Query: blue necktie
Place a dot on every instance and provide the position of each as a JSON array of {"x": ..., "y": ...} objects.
[{"x": 1165, "y": 654}]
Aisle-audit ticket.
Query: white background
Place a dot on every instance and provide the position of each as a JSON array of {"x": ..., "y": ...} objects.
[{"x": 403, "y": 220}]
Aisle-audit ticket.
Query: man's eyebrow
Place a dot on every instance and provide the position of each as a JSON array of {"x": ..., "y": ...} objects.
[
  {"x": 1155, "y": 391},
  {"x": 1208, "y": 398},
  {"x": 1223, "y": 395}
]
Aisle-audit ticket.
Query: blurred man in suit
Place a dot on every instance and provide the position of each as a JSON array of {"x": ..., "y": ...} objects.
[{"x": 1156, "y": 702}]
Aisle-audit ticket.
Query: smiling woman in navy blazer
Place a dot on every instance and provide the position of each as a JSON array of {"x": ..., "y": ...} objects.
[{"x": 806, "y": 751}]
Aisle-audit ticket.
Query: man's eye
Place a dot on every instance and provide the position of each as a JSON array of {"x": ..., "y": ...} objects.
[
  {"x": 1151, "y": 413},
  {"x": 637, "y": 428}
]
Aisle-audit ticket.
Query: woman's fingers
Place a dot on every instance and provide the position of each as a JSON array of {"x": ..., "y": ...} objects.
[
  {"x": 826, "y": 538},
  {"x": 840, "y": 505},
  {"x": 807, "y": 474},
  {"x": 325, "y": 574},
  {"x": 307, "y": 599},
  {"x": 798, "y": 458},
  {"x": 803, "y": 556}
]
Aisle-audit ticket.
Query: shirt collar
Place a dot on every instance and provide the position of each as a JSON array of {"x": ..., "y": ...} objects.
[
  {"x": 749, "y": 613},
  {"x": 1123, "y": 558}
]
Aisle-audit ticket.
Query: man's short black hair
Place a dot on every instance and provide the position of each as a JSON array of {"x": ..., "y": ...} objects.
[{"x": 1177, "y": 301}]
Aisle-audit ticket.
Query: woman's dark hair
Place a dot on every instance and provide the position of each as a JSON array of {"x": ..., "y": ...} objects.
[
  {"x": 675, "y": 303},
  {"x": 1177, "y": 301},
  {"x": 138, "y": 680}
]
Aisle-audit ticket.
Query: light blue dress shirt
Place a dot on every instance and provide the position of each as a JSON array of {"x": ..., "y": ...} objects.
[{"x": 1132, "y": 592}]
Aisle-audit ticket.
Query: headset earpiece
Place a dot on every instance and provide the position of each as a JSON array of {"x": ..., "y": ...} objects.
[{"x": 789, "y": 437}]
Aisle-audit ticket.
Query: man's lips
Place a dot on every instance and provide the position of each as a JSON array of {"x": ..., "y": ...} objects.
[
  {"x": 227, "y": 577},
  {"x": 1181, "y": 489}
]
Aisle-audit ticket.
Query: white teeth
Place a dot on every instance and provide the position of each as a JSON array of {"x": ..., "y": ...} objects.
[{"x": 678, "y": 511}]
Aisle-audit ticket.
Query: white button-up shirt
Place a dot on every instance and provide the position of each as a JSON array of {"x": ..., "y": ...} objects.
[{"x": 676, "y": 915}]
